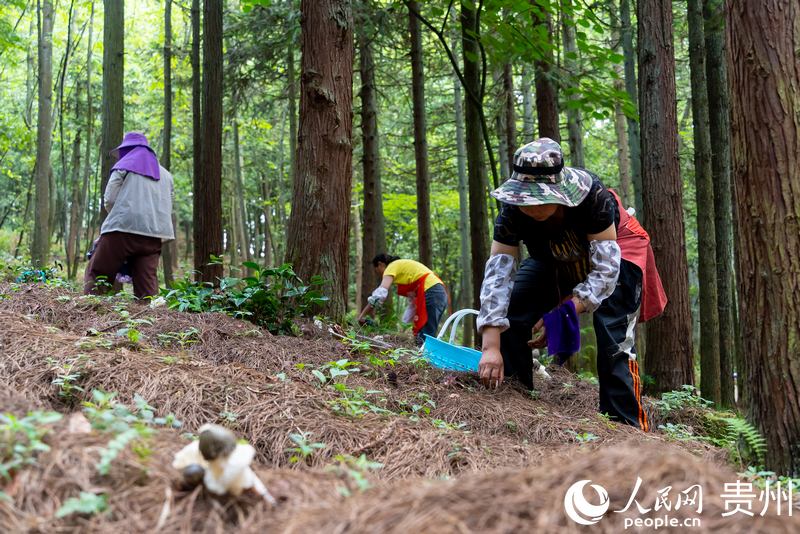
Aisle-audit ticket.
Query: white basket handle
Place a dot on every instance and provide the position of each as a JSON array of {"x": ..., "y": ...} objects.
[{"x": 455, "y": 319}]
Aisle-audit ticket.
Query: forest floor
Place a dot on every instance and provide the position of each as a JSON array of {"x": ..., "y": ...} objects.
[{"x": 390, "y": 443}]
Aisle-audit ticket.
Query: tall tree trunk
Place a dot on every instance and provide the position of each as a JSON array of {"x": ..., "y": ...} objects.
[
  {"x": 87, "y": 173},
  {"x": 465, "y": 282},
  {"x": 546, "y": 93},
  {"x": 764, "y": 39},
  {"x": 75, "y": 209},
  {"x": 669, "y": 338},
  {"x": 572, "y": 65},
  {"x": 358, "y": 245},
  {"x": 719, "y": 108},
  {"x": 208, "y": 196},
  {"x": 373, "y": 236},
  {"x": 40, "y": 249},
  {"x": 319, "y": 222},
  {"x": 475, "y": 162},
  {"x": 634, "y": 135},
  {"x": 113, "y": 95},
  {"x": 243, "y": 233},
  {"x": 623, "y": 156},
  {"x": 420, "y": 139},
  {"x": 704, "y": 190},
  {"x": 197, "y": 115},
  {"x": 527, "y": 106},
  {"x": 169, "y": 250},
  {"x": 288, "y": 188},
  {"x": 269, "y": 245},
  {"x": 510, "y": 114}
]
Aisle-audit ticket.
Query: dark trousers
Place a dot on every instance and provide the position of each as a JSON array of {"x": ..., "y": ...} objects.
[
  {"x": 114, "y": 249},
  {"x": 537, "y": 290},
  {"x": 435, "y": 304}
]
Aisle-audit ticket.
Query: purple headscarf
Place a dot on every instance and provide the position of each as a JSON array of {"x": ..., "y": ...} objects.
[{"x": 135, "y": 155}]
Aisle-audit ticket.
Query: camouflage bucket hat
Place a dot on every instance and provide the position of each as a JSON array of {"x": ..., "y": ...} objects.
[{"x": 540, "y": 177}]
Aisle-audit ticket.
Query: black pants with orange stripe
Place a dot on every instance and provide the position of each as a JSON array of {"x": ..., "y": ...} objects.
[{"x": 537, "y": 289}]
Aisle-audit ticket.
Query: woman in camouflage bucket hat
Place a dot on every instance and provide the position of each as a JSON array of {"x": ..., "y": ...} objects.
[
  {"x": 587, "y": 254},
  {"x": 540, "y": 177}
]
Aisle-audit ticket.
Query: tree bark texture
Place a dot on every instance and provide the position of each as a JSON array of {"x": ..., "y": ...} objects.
[
  {"x": 510, "y": 100},
  {"x": 704, "y": 194},
  {"x": 764, "y": 71},
  {"x": 208, "y": 196},
  {"x": 372, "y": 231},
  {"x": 719, "y": 118},
  {"x": 527, "y": 107},
  {"x": 169, "y": 250},
  {"x": 420, "y": 139},
  {"x": 546, "y": 92},
  {"x": 475, "y": 163},
  {"x": 465, "y": 283},
  {"x": 197, "y": 115},
  {"x": 113, "y": 95},
  {"x": 634, "y": 134},
  {"x": 669, "y": 337},
  {"x": 75, "y": 209},
  {"x": 40, "y": 248},
  {"x": 571, "y": 64},
  {"x": 238, "y": 177},
  {"x": 319, "y": 222}
]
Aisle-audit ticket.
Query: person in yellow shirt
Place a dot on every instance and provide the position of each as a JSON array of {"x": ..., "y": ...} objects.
[{"x": 427, "y": 298}]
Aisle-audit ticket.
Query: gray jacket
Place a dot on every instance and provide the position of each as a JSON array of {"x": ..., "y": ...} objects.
[{"x": 140, "y": 205}]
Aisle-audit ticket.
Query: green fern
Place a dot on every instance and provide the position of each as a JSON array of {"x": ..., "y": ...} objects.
[{"x": 734, "y": 433}]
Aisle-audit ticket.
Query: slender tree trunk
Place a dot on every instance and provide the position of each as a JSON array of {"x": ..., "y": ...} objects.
[
  {"x": 704, "y": 190},
  {"x": 372, "y": 243},
  {"x": 527, "y": 107},
  {"x": 208, "y": 196},
  {"x": 420, "y": 139},
  {"x": 358, "y": 245},
  {"x": 719, "y": 108},
  {"x": 292, "y": 94},
  {"x": 269, "y": 252},
  {"x": 169, "y": 250},
  {"x": 75, "y": 208},
  {"x": 634, "y": 136},
  {"x": 502, "y": 147},
  {"x": 669, "y": 337},
  {"x": 244, "y": 234},
  {"x": 113, "y": 95},
  {"x": 197, "y": 133},
  {"x": 465, "y": 281},
  {"x": 764, "y": 39},
  {"x": 40, "y": 249},
  {"x": 87, "y": 173},
  {"x": 623, "y": 156},
  {"x": 475, "y": 162},
  {"x": 510, "y": 114},
  {"x": 546, "y": 93},
  {"x": 319, "y": 222},
  {"x": 572, "y": 65}
]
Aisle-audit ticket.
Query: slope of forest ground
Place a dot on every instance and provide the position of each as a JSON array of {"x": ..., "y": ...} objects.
[{"x": 348, "y": 438}]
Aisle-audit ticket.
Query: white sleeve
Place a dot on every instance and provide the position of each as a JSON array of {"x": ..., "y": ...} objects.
[
  {"x": 498, "y": 281},
  {"x": 112, "y": 188},
  {"x": 606, "y": 257},
  {"x": 378, "y": 296}
]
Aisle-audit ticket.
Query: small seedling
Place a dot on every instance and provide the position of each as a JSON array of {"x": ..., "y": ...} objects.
[{"x": 304, "y": 449}]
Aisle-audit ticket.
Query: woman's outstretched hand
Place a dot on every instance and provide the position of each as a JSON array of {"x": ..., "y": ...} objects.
[{"x": 490, "y": 368}]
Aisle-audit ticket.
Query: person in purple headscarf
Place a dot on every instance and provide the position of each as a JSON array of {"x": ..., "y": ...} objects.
[{"x": 138, "y": 198}]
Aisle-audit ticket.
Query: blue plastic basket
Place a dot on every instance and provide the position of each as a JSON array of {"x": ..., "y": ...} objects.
[{"x": 449, "y": 356}]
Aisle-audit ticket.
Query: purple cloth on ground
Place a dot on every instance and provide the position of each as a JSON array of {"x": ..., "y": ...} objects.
[
  {"x": 135, "y": 155},
  {"x": 563, "y": 331}
]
